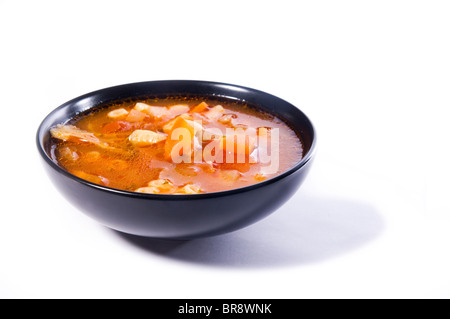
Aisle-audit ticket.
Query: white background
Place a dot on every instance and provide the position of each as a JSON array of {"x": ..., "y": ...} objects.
[{"x": 372, "y": 219}]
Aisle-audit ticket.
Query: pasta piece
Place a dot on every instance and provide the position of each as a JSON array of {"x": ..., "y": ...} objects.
[
  {"x": 142, "y": 107},
  {"x": 148, "y": 190},
  {"x": 189, "y": 189},
  {"x": 118, "y": 114},
  {"x": 67, "y": 154},
  {"x": 178, "y": 109},
  {"x": 215, "y": 113},
  {"x": 156, "y": 112},
  {"x": 135, "y": 116},
  {"x": 230, "y": 175},
  {"x": 163, "y": 185},
  {"x": 142, "y": 138},
  {"x": 227, "y": 119}
]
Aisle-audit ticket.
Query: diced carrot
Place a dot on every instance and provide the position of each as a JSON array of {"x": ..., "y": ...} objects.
[
  {"x": 199, "y": 108},
  {"x": 260, "y": 177},
  {"x": 173, "y": 141},
  {"x": 168, "y": 127}
]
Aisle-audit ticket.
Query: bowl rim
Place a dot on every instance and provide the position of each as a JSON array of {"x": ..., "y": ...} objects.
[{"x": 299, "y": 165}]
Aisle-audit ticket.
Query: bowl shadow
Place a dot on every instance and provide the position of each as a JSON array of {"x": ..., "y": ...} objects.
[{"x": 305, "y": 230}]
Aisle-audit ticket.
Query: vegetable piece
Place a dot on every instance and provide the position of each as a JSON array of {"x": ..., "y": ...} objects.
[
  {"x": 260, "y": 177},
  {"x": 210, "y": 134},
  {"x": 118, "y": 114},
  {"x": 263, "y": 131},
  {"x": 199, "y": 108},
  {"x": 176, "y": 144},
  {"x": 142, "y": 138},
  {"x": 162, "y": 112},
  {"x": 148, "y": 190},
  {"x": 67, "y": 154},
  {"x": 240, "y": 144},
  {"x": 156, "y": 112},
  {"x": 163, "y": 185},
  {"x": 177, "y": 110},
  {"x": 70, "y": 132},
  {"x": 135, "y": 116},
  {"x": 189, "y": 189},
  {"x": 215, "y": 113},
  {"x": 168, "y": 127},
  {"x": 230, "y": 175},
  {"x": 142, "y": 107},
  {"x": 233, "y": 148},
  {"x": 227, "y": 119},
  {"x": 91, "y": 178},
  {"x": 117, "y": 126},
  {"x": 73, "y": 133}
]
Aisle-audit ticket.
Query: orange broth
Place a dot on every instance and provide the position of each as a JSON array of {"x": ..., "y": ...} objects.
[{"x": 129, "y": 145}]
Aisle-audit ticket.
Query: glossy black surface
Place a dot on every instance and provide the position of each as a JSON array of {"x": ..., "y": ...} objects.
[{"x": 178, "y": 216}]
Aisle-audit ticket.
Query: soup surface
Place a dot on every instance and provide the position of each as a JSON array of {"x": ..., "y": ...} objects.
[{"x": 176, "y": 145}]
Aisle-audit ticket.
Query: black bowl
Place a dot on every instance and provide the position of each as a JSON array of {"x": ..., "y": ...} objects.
[{"x": 178, "y": 216}]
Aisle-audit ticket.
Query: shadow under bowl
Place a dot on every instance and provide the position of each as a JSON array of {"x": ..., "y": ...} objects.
[{"x": 178, "y": 216}]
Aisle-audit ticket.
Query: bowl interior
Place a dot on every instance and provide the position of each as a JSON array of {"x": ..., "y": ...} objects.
[{"x": 295, "y": 118}]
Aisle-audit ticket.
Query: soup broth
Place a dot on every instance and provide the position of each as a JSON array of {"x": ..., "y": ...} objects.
[{"x": 176, "y": 145}]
